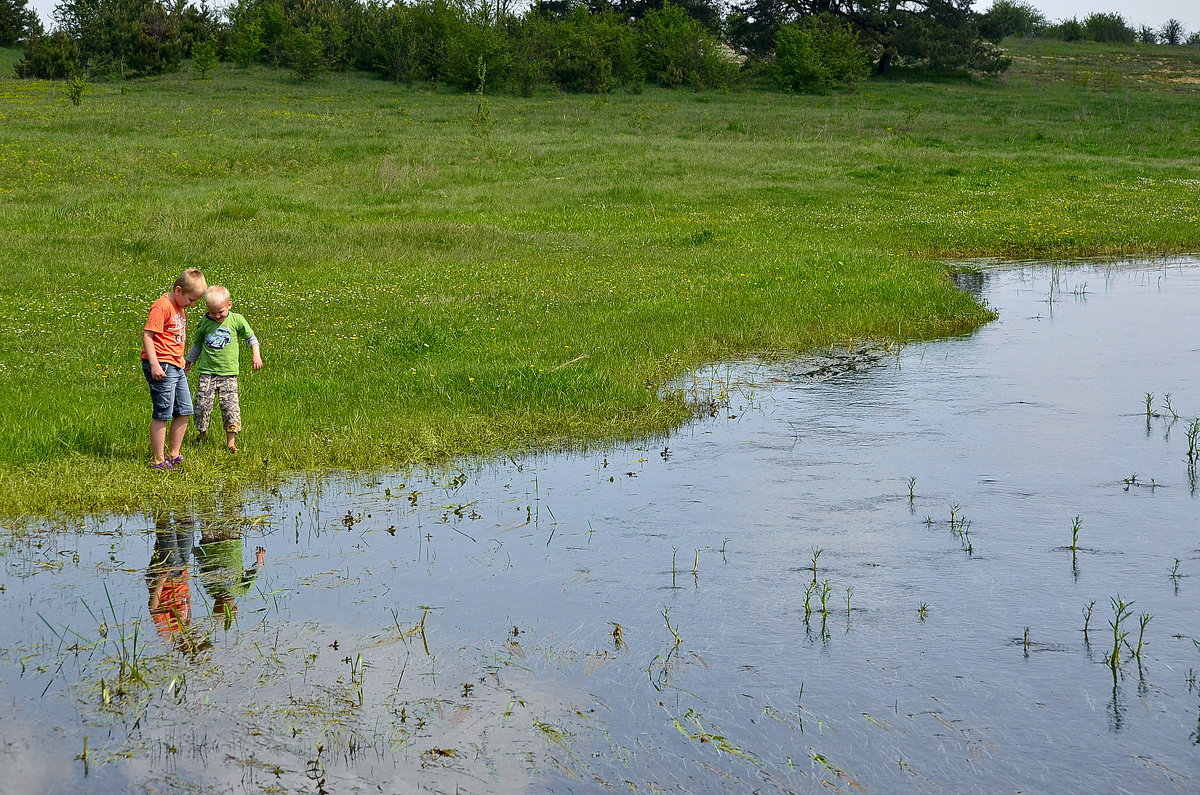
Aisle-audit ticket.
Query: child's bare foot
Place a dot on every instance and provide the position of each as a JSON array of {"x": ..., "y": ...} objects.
[
  {"x": 231, "y": 447},
  {"x": 202, "y": 437}
]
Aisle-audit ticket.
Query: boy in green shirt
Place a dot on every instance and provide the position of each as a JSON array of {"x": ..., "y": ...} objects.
[{"x": 215, "y": 354}]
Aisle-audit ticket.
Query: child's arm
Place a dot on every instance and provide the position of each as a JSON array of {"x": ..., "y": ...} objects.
[
  {"x": 194, "y": 352},
  {"x": 252, "y": 341},
  {"x": 192, "y": 355},
  {"x": 156, "y": 370}
]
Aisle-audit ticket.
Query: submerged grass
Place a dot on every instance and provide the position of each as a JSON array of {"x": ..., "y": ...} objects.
[{"x": 422, "y": 293}]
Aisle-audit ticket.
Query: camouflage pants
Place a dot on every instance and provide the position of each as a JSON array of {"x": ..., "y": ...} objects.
[{"x": 213, "y": 388}]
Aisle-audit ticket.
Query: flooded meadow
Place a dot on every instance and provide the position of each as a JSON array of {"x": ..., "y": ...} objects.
[{"x": 965, "y": 564}]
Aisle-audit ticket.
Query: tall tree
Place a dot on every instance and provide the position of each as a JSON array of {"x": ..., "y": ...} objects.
[
  {"x": 17, "y": 22},
  {"x": 125, "y": 36},
  {"x": 938, "y": 35}
]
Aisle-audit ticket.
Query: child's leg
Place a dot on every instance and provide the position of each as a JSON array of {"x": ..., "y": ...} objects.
[
  {"x": 158, "y": 440},
  {"x": 231, "y": 411},
  {"x": 178, "y": 431},
  {"x": 182, "y": 413},
  {"x": 206, "y": 395},
  {"x": 162, "y": 399}
]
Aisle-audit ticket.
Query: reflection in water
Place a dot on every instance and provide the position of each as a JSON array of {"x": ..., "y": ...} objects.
[
  {"x": 974, "y": 282},
  {"x": 168, "y": 579},
  {"x": 218, "y": 561},
  {"x": 221, "y": 574}
]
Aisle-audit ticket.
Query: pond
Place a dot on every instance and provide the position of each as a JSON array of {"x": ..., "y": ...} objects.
[{"x": 866, "y": 572}]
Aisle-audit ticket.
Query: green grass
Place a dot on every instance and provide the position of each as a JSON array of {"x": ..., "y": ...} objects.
[{"x": 417, "y": 289}]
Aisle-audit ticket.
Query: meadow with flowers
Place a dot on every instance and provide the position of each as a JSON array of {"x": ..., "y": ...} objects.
[{"x": 427, "y": 287}]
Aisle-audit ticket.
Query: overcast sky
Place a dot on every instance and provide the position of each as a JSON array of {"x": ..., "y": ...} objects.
[{"x": 1136, "y": 12}]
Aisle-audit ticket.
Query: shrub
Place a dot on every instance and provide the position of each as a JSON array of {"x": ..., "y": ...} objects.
[
  {"x": 432, "y": 24},
  {"x": 1010, "y": 18},
  {"x": 676, "y": 49},
  {"x": 477, "y": 36},
  {"x": 578, "y": 51},
  {"x": 819, "y": 54},
  {"x": 1067, "y": 30},
  {"x": 52, "y": 57},
  {"x": 247, "y": 42},
  {"x": 74, "y": 87},
  {"x": 304, "y": 51},
  {"x": 122, "y": 37},
  {"x": 204, "y": 57},
  {"x": 1108, "y": 28}
]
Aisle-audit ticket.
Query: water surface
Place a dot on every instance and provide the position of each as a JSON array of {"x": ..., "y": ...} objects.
[{"x": 634, "y": 618}]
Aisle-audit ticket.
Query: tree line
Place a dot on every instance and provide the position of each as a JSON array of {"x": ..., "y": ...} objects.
[
  {"x": 1015, "y": 18},
  {"x": 573, "y": 45}
]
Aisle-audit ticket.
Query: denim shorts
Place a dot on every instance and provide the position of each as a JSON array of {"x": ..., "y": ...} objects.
[{"x": 171, "y": 395}]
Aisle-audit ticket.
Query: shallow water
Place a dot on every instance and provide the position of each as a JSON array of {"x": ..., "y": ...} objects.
[{"x": 455, "y": 631}]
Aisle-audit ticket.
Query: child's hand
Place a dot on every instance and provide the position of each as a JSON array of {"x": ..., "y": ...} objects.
[
  {"x": 256, "y": 361},
  {"x": 187, "y": 366},
  {"x": 157, "y": 372}
]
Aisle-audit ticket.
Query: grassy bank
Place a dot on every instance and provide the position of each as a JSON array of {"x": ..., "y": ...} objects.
[{"x": 422, "y": 277}]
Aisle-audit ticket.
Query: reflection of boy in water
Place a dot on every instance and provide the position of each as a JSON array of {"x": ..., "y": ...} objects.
[
  {"x": 167, "y": 578},
  {"x": 221, "y": 572}
]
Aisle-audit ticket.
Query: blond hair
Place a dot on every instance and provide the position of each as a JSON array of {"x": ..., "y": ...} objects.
[
  {"x": 218, "y": 293},
  {"x": 191, "y": 281}
]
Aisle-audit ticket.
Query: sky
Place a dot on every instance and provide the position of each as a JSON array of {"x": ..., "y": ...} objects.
[{"x": 1136, "y": 12}]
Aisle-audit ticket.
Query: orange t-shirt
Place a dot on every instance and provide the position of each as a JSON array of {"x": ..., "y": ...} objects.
[
  {"x": 174, "y": 611},
  {"x": 169, "y": 326}
]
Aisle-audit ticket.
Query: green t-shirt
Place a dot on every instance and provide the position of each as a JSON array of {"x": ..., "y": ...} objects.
[
  {"x": 221, "y": 571},
  {"x": 215, "y": 346}
]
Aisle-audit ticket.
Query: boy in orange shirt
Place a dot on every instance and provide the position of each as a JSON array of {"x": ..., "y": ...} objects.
[{"x": 162, "y": 363}]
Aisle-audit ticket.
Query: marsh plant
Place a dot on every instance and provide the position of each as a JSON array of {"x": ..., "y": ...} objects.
[
  {"x": 1087, "y": 620},
  {"x": 1121, "y": 613},
  {"x": 1143, "y": 621},
  {"x": 816, "y": 553},
  {"x": 1193, "y": 439},
  {"x": 1076, "y": 526},
  {"x": 1167, "y": 406},
  {"x": 809, "y": 590}
]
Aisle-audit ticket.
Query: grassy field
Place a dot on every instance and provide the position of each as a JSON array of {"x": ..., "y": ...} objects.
[{"x": 424, "y": 280}]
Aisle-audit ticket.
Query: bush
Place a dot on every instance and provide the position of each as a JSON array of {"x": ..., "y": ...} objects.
[
  {"x": 1067, "y": 30},
  {"x": 74, "y": 87},
  {"x": 204, "y": 57},
  {"x": 304, "y": 51},
  {"x": 52, "y": 57},
  {"x": 577, "y": 51},
  {"x": 247, "y": 42},
  {"x": 1010, "y": 18},
  {"x": 432, "y": 25},
  {"x": 477, "y": 36},
  {"x": 1108, "y": 28},
  {"x": 676, "y": 49},
  {"x": 122, "y": 37},
  {"x": 819, "y": 54}
]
